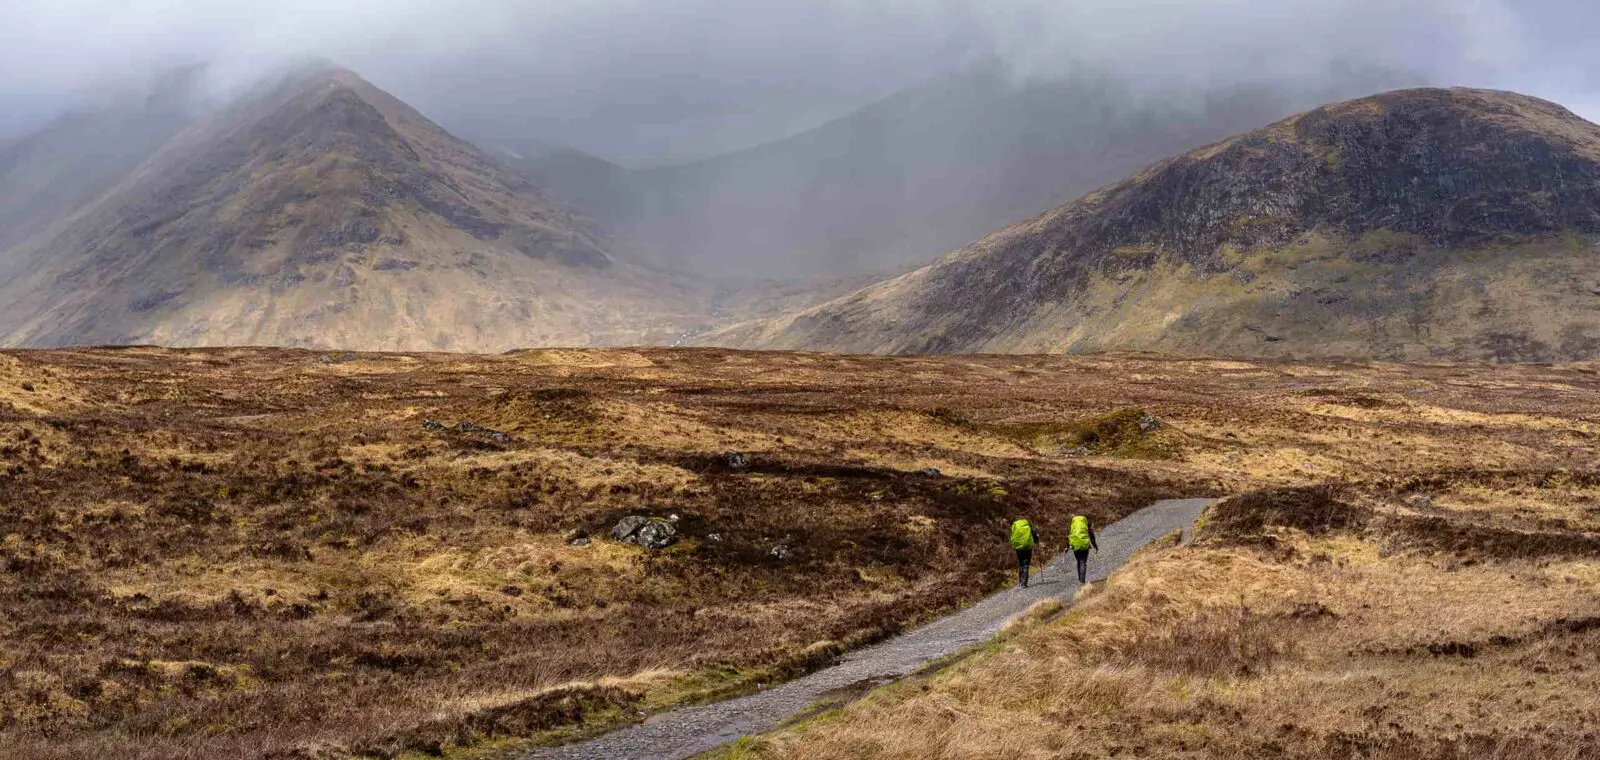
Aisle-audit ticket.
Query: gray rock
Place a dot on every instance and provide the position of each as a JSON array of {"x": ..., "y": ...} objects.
[
  {"x": 628, "y": 527},
  {"x": 735, "y": 461},
  {"x": 469, "y": 428},
  {"x": 1148, "y": 422},
  {"x": 929, "y": 472},
  {"x": 657, "y": 534},
  {"x": 576, "y": 534},
  {"x": 580, "y": 541},
  {"x": 432, "y": 425},
  {"x": 780, "y": 553},
  {"x": 714, "y": 537}
]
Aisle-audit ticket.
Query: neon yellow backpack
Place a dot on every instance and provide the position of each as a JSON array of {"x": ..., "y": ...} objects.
[
  {"x": 1078, "y": 537},
  {"x": 1021, "y": 535}
]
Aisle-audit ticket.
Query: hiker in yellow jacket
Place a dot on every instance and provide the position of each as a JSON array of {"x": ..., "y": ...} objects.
[
  {"x": 1023, "y": 538},
  {"x": 1081, "y": 537}
]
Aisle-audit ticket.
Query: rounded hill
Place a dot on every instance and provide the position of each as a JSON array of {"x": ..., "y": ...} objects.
[{"x": 1419, "y": 223}]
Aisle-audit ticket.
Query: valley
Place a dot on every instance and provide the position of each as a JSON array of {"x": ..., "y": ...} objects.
[{"x": 327, "y": 433}]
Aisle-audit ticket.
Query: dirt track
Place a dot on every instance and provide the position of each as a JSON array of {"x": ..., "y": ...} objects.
[{"x": 690, "y": 731}]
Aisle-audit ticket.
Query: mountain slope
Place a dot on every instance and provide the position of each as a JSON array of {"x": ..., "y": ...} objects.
[
  {"x": 48, "y": 174},
  {"x": 900, "y": 181},
  {"x": 1419, "y": 223},
  {"x": 592, "y": 184},
  {"x": 324, "y": 212}
]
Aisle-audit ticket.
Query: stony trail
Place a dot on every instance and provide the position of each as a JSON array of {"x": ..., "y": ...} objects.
[{"x": 688, "y": 731}]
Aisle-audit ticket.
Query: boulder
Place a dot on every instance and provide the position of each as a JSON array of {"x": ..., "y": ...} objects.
[
  {"x": 657, "y": 534},
  {"x": 628, "y": 527}
]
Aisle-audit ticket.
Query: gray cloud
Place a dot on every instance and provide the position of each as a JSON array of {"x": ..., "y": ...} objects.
[{"x": 649, "y": 81}]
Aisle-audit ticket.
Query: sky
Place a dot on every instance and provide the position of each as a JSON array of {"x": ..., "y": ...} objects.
[{"x": 647, "y": 82}]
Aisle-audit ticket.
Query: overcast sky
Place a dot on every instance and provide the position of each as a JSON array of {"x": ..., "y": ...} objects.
[{"x": 654, "y": 81}]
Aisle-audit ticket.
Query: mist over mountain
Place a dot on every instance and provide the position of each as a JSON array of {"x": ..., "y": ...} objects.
[
  {"x": 629, "y": 173},
  {"x": 54, "y": 170},
  {"x": 909, "y": 177}
]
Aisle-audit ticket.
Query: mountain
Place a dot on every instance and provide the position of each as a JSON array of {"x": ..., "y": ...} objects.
[
  {"x": 320, "y": 211},
  {"x": 900, "y": 181},
  {"x": 1428, "y": 223}
]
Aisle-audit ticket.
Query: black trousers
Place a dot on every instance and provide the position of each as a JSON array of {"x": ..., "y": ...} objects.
[
  {"x": 1082, "y": 556},
  {"x": 1024, "y": 558}
]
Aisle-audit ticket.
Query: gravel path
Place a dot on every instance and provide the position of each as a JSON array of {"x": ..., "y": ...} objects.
[{"x": 688, "y": 731}]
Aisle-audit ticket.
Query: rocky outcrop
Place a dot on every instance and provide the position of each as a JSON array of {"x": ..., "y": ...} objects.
[{"x": 652, "y": 533}]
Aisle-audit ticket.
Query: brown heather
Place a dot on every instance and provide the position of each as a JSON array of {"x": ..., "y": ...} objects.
[{"x": 265, "y": 553}]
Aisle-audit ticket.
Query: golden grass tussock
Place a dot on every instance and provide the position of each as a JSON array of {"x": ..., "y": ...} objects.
[{"x": 1038, "y": 612}]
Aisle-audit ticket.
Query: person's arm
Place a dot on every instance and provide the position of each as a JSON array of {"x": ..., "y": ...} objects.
[
  {"x": 1092, "y": 540},
  {"x": 1035, "y": 532}
]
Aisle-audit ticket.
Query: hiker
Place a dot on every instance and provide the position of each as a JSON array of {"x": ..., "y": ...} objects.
[
  {"x": 1023, "y": 537},
  {"x": 1080, "y": 538}
]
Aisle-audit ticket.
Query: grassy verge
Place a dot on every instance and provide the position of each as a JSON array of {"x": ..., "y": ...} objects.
[{"x": 1346, "y": 634}]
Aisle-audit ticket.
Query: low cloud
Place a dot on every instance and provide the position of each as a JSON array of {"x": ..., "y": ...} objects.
[{"x": 650, "y": 81}]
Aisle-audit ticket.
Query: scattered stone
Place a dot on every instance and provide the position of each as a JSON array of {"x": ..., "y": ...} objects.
[
  {"x": 434, "y": 425},
  {"x": 627, "y": 528},
  {"x": 1148, "y": 422},
  {"x": 735, "y": 461},
  {"x": 929, "y": 472},
  {"x": 580, "y": 542},
  {"x": 779, "y": 553},
  {"x": 469, "y": 428},
  {"x": 656, "y": 534},
  {"x": 714, "y": 537}
]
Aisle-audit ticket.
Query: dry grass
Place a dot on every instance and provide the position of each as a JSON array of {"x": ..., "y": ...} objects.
[
  {"x": 266, "y": 553},
  {"x": 1328, "y": 644},
  {"x": 254, "y": 553}
]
